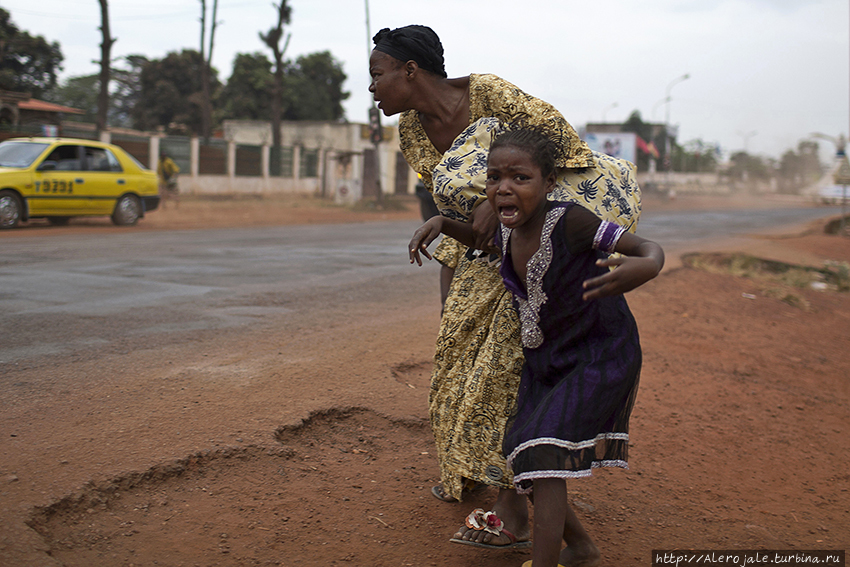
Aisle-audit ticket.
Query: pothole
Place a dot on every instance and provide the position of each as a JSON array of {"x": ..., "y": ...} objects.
[
  {"x": 345, "y": 485},
  {"x": 415, "y": 375}
]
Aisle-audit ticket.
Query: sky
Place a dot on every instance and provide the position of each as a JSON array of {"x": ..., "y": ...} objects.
[{"x": 762, "y": 75}]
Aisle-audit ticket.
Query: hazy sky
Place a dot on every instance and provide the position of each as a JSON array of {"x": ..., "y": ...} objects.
[{"x": 764, "y": 74}]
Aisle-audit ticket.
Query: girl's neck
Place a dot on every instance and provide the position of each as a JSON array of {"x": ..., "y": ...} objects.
[
  {"x": 532, "y": 229},
  {"x": 525, "y": 242}
]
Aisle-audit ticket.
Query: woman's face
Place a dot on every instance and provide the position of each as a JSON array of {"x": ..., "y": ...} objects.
[{"x": 389, "y": 85}]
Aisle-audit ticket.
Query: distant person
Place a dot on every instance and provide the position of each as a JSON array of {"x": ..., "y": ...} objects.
[
  {"x": 167, "y": 172},
  {"x": 580, "y": 341},
  {"x": 427, "y": 206}
]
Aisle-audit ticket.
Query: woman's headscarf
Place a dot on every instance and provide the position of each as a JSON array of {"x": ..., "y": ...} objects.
[{"x": 417, "y": 43}]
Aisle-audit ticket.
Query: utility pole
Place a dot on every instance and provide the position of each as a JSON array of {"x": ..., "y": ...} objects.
[{"x": 376, "y": 133}]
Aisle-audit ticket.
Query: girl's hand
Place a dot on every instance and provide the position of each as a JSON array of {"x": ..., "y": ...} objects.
[
  {"x": 631, "y": 272},
  {"x": 424, "y": 236}
]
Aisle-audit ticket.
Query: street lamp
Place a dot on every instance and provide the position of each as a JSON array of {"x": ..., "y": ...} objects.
[
  {"x": 657, "y": 104},
  {"x": 667, "y": 98},
  {"x": 607, "y": 108},
  {"x": 667, "y": 148}
]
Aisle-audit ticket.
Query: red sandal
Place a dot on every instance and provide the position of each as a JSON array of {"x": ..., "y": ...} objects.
[{"x": 479, "y": 520}]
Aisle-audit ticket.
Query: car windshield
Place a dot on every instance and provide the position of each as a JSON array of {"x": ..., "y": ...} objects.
[{"x": 20, "y": 154}]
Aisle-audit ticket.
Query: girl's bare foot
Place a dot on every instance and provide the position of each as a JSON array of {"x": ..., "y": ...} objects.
[{"x": 580, "y": 556}]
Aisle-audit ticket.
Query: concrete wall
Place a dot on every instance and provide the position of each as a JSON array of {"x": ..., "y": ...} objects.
[
  {"x": 700, "y": 184},
  {"x": 340, "y": 148}
]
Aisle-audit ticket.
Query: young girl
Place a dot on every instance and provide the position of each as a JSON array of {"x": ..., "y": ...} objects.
[{"x": 580, "y": 341}]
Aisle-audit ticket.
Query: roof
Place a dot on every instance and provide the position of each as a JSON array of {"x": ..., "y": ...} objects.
[{"x": 43, "y": 106}]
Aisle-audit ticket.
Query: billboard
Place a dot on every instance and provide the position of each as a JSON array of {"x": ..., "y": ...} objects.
[{"x": 621, "y": 145}]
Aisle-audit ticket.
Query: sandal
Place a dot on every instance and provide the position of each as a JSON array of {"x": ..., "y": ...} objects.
[
  {"x": 440, "y": 494},
  {"x": 469, "y": 487},
  {"x": 479, "y": 520}
]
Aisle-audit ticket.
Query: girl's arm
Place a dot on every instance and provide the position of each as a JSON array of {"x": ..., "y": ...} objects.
[
  {"x": 643, "y": 261},
  {"x": 428, "y": 232}
]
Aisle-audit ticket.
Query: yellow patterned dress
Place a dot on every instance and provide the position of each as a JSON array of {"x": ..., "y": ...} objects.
[{"x": 478, "y": 359}]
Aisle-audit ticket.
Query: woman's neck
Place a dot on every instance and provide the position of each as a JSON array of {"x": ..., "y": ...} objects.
[{"x": 444, "y": 112}]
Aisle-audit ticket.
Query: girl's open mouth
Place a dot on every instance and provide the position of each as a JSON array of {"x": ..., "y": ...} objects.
[{"x": 508, "y": 212}]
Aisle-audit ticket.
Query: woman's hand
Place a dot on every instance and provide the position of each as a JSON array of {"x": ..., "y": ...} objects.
[
  {"x": 631, "y": 272},
  {"x": 484, "y": 225},
  {"x": 424, "y": 236}
]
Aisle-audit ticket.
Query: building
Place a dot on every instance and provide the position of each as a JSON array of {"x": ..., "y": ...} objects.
[{"x": 21, "y": 113}]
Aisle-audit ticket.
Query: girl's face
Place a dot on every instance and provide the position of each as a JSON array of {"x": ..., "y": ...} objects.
[
  {"x": 516, "y": 188},
  {"x": 390, "y": 86}
]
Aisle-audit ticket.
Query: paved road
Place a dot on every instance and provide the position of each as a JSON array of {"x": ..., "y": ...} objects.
[
  {"x": 689, "y": 226},
  {"x": 63, "y": 296}
]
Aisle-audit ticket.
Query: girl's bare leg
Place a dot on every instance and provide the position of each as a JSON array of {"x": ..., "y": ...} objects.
[
  {"x": 555, "y": 521},
  {"x": 550, "y": 516}
]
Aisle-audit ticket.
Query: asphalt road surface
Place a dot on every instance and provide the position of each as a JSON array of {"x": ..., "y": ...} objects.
[{"x": 62, "y": 297}]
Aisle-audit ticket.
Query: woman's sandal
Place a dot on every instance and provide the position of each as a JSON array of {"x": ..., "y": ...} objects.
[
  {"x": 489, "y": 522},
  {"x": 469, "y": 487}
]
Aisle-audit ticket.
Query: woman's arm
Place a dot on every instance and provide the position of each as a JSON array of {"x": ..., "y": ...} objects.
[
  {"x": 643, "y": 261},
  {"x": 428, "y": 232},
  {"x": 491, "y": 95}
]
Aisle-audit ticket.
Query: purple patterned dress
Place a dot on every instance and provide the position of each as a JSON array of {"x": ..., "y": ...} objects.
[{"x": 583, "y": 358}]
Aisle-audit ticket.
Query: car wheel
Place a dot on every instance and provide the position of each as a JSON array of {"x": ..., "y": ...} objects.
[
  {"x": 128, "y": 209},
  {"x": 59, "y": 221},
  {"x": 10, "y": 209}
]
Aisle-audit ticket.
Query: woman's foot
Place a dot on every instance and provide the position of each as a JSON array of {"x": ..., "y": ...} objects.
[
  {"x": 512, "y": 510},
  {"x": 469, "y": 487}
]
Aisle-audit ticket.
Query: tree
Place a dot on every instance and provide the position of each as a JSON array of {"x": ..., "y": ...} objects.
[
  {"x": 314, "y": 88},
  {"x": 27, "y": 63},
  {"x": 636, "y": 125},
  {"x": 206, "y": 58},
  {"x": 81, "y": 92},
  {"x": 127, "y": 89},
  {"x": 799, "y": 169},
  {"x": 171, "y": 93},
  {"x": 105, "y": 49},
  {"x": 78, "y": 92},
  {"x": 695, "y": 156},
  {"x": 249, "y": 89},
  {"x": 744, "y": 166},
  {"x": 272, "y": 40}
]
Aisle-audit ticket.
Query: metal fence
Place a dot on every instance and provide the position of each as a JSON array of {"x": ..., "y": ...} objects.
[{"x": 179, "y": 149}]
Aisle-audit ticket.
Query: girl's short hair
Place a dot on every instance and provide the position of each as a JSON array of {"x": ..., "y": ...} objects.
[{"x": 538, "y": 145}]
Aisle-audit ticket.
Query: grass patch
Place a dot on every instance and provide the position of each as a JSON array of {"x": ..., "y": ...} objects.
[{"x": 834, "y": 276}]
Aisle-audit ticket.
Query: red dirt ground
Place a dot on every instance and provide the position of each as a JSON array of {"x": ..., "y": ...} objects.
[{"x": 737, "y": 436}]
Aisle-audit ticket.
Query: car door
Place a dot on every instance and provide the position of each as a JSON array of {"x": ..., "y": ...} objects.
[
  {"x": 58, "y": 182},
  {"x": 104, "y": 179}
]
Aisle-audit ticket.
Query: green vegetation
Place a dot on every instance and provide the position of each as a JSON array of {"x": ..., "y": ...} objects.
[{"x": 835, "y": 275}]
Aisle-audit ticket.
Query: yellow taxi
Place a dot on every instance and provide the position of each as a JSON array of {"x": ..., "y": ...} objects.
[{"x": 61, "y": 178}]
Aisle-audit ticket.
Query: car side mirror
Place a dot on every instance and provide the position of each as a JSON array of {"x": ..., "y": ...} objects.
[{"x": 47, "y": 165}]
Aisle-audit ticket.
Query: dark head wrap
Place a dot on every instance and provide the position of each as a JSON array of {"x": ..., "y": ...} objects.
[{"x": 418, "y": 43}]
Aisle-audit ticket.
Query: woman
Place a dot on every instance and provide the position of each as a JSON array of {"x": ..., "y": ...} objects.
[{"x": 478, "y": 359}]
